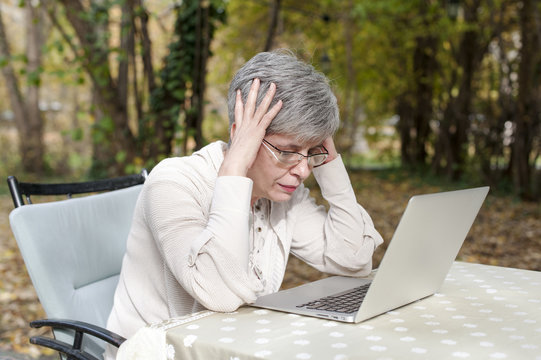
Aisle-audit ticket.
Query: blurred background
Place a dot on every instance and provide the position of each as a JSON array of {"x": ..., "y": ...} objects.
[{"x": 433, "y": 94}]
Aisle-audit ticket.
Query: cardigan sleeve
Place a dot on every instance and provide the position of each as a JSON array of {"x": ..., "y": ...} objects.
[
  {"x": 204, "y": 246},
  {"x": 341, "y": 240}
]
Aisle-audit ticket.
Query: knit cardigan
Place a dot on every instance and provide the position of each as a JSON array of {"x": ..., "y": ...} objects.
[{"x": 191, "y": 244}]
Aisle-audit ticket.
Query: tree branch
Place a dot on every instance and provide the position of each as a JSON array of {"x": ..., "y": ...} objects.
[
  {"x": 275, "y": 11},
  {"x": 67, "y": 38},
  {"x": 146, "y": 43}
]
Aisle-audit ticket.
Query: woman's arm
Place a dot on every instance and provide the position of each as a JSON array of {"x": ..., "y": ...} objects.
[
  {"x": 342, "y": 240},
  {"x": 189, "y": 232}
]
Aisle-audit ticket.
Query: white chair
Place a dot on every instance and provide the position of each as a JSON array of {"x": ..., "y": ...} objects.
[{"x": 73, "y": 252}]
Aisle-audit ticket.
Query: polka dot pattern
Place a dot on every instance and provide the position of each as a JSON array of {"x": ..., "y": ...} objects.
[{"x": 481, "y": 312}]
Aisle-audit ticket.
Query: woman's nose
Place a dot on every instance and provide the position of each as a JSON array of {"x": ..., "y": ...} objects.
[{"x": 302, "y": 169}]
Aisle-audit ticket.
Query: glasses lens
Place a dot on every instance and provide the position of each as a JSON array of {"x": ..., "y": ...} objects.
[
  {"x": 316, "y": 160},
  {"x": 317, "y": 151},
  {"x": 289, "y": 158}
]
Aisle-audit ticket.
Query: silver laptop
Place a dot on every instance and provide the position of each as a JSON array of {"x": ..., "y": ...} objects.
[{"x": 417, "y": 260}]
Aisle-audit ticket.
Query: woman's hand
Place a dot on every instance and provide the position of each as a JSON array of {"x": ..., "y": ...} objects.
[
  {"x": 328, "y": 143},
  {"x": 248, "y": 130}
]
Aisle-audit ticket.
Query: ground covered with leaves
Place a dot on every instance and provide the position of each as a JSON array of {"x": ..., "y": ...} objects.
[{"x": 507, "y": 232}]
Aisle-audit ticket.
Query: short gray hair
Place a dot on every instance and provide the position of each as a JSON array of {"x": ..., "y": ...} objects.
[{"x": 309, "y": 109}]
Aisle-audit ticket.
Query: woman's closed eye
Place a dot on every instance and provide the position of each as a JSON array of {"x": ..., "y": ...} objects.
[{"x": 316, "y": 156}]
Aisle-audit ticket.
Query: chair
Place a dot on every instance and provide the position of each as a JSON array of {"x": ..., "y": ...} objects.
[{"x": 73, "y": 250}]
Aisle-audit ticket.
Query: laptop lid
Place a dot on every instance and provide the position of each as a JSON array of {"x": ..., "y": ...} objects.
[
  {"x": 422, "y": 250},
  {"x": 419, "y": 256}
]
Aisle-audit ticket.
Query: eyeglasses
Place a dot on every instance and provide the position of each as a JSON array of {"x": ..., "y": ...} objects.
[{"x": 315, "y": 157}]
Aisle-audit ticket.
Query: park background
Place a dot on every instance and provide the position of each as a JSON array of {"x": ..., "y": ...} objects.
[{"x": 434, "y": 95}]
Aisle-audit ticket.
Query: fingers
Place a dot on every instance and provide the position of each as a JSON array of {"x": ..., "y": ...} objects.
[
  {"x": 249, "y": 111},
  {"x": 265, "y": 102},
  {"x": 249, "y": 128},
  {"x": 252, "y": 98},
  {"x": 239, "y": 108},
  {"x": 271, "y": 114},
  {"x": 328, "y": 143}
]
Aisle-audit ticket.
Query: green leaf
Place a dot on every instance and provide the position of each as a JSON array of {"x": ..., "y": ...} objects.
[{"x": 120, "y": 157}]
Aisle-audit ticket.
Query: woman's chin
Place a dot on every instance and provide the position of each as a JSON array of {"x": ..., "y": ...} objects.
[{"x": 280, "y": 196}]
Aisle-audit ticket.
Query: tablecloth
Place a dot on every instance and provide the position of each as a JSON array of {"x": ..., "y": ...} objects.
[{"x": 480, "y": 312}]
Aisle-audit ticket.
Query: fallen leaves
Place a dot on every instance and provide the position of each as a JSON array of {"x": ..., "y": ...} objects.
[{"x": 18, "y": 300}]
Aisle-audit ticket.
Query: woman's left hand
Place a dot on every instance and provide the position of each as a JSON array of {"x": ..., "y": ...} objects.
[{"x": 328, "y": 143}]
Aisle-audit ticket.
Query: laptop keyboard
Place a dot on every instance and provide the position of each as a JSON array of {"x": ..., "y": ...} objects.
[{"x": 346, "y": 302}]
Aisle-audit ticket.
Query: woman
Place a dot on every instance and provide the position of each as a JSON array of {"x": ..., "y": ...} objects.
[{"x": 214, "y": 230}]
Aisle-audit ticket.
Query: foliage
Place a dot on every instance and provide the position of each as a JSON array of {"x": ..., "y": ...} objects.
[
  {"x": 179, "y": 75},
  {"x": 441, "y": 84},
  {"x": 105, "y": 42},
  {"x": 447, "y": 70}
]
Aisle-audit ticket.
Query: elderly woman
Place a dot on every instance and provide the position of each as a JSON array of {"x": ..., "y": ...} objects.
[{"x": 214, "y": 230}]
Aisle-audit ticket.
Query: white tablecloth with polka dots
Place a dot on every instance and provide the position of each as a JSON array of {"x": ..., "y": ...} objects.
[{"x": 481, "y": 312}]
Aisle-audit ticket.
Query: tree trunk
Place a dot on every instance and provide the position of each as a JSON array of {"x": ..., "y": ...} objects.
[
  {"x": 194, "y": 115},
  {"x": 114, "y": 143},
  {"x": 414, "y": 107},
  {"x": 453, "y": 135},
  {"x": 157, "y": 131},
  {"x": 195, "y": 110},
  {"x": 527, "y": 120},
  {"x": 424, "y": 67},
  {"x": 34, "y": 147},
  {"x": 404, "y": 109},
  {"x": 274, "y": 12},
  {"x": 352, "y": 111},
  {"x": 28, "y": 119},
  {"x": 141, "y": 30}
]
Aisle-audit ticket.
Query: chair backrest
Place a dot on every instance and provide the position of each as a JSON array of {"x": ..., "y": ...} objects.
[
  {"x": 18, "y": 189},
  {"x": 73, "y": 251}
]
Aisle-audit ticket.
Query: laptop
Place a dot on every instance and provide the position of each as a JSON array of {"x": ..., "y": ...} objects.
[{"x": 415, "y": 264}]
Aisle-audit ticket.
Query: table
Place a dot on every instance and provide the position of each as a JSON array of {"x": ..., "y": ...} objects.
[{"x": 481, "y": 312}]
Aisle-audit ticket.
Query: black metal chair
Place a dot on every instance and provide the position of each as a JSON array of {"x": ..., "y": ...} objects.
[{"x": 73, "y": 252}]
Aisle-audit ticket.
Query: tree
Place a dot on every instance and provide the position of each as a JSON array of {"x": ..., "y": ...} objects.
[
  {"x": 451, "y": 149},
  {"x": 274, "y": 14},
  {"x": 183, "y": 75},
  {"x": 111, "y": 133},
  {"x": 414, "y": 105},
  {"x": 528, "y": 119},
  {"x": 116, "y": 143},
  {"x": 25, "y": 104},
  {"x": 207, "y": 17},
  {"x": 463, "y": 76}
]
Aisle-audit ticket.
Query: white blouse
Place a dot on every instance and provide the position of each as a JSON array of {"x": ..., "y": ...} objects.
[{"x": 196, "y": 242}]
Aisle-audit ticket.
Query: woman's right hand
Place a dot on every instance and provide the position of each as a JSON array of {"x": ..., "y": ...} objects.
[{"x": 248, "y": 130}]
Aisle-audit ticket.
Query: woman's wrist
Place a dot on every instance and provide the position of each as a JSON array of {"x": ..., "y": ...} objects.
[{"x": 232, "y": 168}]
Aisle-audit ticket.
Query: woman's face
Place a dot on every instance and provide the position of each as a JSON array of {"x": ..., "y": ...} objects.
[{"x": 274, "y": 180}]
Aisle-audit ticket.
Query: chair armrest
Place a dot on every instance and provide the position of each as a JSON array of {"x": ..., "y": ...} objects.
[
  {"x": 61, "y": 347},
  {"x": 81, "y": 328}
]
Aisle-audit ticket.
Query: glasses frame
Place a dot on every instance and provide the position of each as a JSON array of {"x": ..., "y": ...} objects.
[{"x": 300, "y": 156}]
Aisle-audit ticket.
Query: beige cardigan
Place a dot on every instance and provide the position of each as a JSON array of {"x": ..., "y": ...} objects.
[{"x": 193, "y": 243}]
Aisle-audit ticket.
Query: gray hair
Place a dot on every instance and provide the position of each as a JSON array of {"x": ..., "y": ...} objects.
[{"x": 309, "y": 109}]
